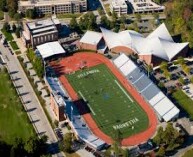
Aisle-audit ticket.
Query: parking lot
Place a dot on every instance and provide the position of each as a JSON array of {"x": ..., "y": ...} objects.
[{"x": 176, "y": 72}]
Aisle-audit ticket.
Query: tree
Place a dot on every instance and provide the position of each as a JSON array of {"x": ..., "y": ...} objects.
[
  {"x": 88, "y": 21},
  {"x": 105, "y": 22},
  {"x": 123, "y": 19},
  {"x": 122, "y": 26},
  {"x": 156, "y": 16},
  {"x": 17, "y": 32},
  {"x": 100, "y": 11},
  {"x": 31, "y": 145},
  {"x": 170, "y": 138},
  {"x": 67, "y": 142},
  {"x": 17, "y": 17},
  {"x": 35, "y": 146},
  {"x": 6, "y": 27},
  {"x": 114, "y": 16},
  {"x": 3, "y": 5},
  {"x": 138, "y": 17},
  {"x": 161, "y": 152},
  {"x": 181, "y": 80},
  {"x": 180, "y": 61},
  {"x": 163, "y": 65},
  {"x": 14, "y": 27},
  {"x": 12, "y": 7},
  {"x": 30, "y": 13},
  {"x": 73, "y": 23},
  {"x": 158, "y": 138}
]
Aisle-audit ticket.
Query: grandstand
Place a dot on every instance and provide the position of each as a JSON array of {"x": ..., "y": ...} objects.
[{"x": 164, "y": 108}]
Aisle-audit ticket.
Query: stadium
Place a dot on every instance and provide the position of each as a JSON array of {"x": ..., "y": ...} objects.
[{"x": 104, "y": 102}]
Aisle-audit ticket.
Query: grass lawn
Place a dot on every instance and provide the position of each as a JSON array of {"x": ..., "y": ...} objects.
[
  {"x": 188, "y": 153},
  {"x": 14, "y": 45},
  {"x": 13, "y": 120},
  {"x": 8, "y": 35},
  {"x": 69, "y": 15},
  {"x": 110, "y": 105},
  {"x": 184, "y": 101}
]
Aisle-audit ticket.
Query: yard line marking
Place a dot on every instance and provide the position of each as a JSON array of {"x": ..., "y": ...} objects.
[
  {"x": 87, "y": 103},
  {"x": 123, "y": 90}
]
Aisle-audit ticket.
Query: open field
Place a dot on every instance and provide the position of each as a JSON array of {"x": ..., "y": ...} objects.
[
  {"x": 110, "y": 105},
  {"x": 13, "y": 119},
  {"x": 184, "y": 101}
]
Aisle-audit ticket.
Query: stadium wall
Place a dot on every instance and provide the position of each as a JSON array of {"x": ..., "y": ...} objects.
[
  {"x": 58, "y": 110},
  {"x": 86, "y": 46},
  {"x": 124, "y": 49}
]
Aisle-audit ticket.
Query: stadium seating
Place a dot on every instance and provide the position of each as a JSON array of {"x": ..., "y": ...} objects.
[{"x": 164, "y": 108}]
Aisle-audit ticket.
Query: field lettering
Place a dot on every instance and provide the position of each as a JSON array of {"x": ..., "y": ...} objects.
[
  {"x": 86, "y": 73},
  {"x": 126, "y": 124}
]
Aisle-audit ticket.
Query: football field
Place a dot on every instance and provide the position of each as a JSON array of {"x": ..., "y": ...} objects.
[{"x": 111, "y": 106}]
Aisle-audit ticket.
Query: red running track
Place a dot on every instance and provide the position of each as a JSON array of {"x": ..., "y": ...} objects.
[{"x": 73, "y": 63}]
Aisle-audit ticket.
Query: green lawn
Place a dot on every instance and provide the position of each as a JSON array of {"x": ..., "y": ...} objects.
[
  {"x": 13, "y": 120},
  {"x": 110, "y": 105},
  {"x": 188, "y": 153},
  {"x": 8, "y": 35},
  {"x": 14, "y": 45},
  {"x": 69, "y": 15},
  {"x": 184, "y": 101}
]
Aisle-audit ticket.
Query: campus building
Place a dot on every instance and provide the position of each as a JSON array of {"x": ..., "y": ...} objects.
[
  {"x": 53, "y": 7},
  {"x": 158, "y": 46},
  {"x": 144, "y": 6},
  {"x": 118, "y": 6},
  {"x": 40, "y": 31},
  {"x": 92, "y": 41}
]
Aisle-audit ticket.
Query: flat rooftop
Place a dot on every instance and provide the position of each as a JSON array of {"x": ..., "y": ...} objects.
[
  {"x": 142, "y": 5},
  {"x": 40, "y": 24},
  {"x": 47, "y": 2},
  {"x": 91, "y": 37},
  {"x": 119, "y": 3}
]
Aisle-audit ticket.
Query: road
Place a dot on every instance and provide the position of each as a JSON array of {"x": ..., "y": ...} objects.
[{"x": 30, "y": 101}]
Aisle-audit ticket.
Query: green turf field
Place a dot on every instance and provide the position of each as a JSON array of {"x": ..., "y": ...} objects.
[
  {"x": 111, "y": 106},
  {"x": 13, "y": 121}
]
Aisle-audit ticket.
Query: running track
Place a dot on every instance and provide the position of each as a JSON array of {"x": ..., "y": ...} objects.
[{"x": 73, "y": 63}]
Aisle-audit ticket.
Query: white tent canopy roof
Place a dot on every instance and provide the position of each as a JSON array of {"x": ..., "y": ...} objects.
[
  {"x": 50, "y": 49},
  {"x": 159, "y": 43}
]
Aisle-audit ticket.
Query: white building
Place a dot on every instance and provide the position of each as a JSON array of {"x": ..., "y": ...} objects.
[
  {"x": 118, "y": 6},
  {"x": 54, "y": 6},
  {"x": 145, "y": 6}
]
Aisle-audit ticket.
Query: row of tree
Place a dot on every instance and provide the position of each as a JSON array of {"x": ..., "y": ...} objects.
[
  {"x": 168, "y": 139},
  {"x": 20, "y": 148},
  {"x": 88, "y": 22},
  {"x": 37, "y": 63},
  {"x": 8, "y": 28}
]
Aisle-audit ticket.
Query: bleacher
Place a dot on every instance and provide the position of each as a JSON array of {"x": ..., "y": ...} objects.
[{"x": 164, "y": 108}]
